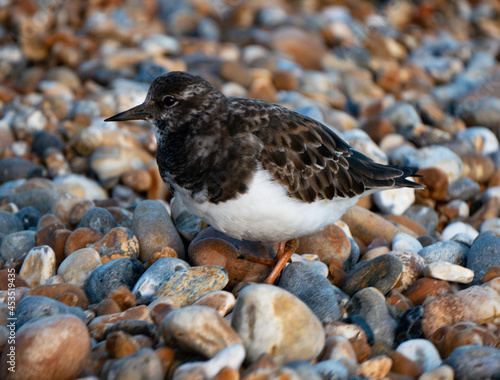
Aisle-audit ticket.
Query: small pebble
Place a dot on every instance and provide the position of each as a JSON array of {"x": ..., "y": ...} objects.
[{"x": 442, "y": 270}]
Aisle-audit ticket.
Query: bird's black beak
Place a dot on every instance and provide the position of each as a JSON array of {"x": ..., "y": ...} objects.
[{"x": 136, "y": 113}]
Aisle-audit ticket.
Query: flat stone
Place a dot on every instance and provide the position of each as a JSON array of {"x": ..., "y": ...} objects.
[
  {"x": 186, "y": 286},
  {"x": 271, "y": 320},
  {"x": 313, "y": 289},
  {"x": 442, "y": 270},
  {"x": 68, "y": 294},
  {"x": 223, "y": 302},
  {"x": 449, "y": 251},
  {"x": 198, "y": 329}
]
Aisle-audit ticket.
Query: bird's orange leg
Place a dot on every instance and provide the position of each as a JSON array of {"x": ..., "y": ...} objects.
[{"x": 285, "y": 251}]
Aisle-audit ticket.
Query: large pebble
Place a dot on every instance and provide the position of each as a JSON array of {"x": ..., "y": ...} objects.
[
  {"x": 77, "y": 267},
  {"x": 198, "y": 329},
  {"x": 39, "y": 265},
  {"x": 475, "y": 362},
  {"x": 112, "y": 275},
  {"x": 13, "y": 168},
  {"x": 422, "y": 352},
  {"x": 118, "y": 243},
  {"x": 186, "y": 286},
  {"x": 484, "y": 300},
  {"x": 273, "y": 321},
  {"x": 99, "y": 325},
  {"x": 370, "y": 304},
  {"x": 394, "y": 201},
  {"x": 449, "y": 251},
  {"x": 39, "y": 198},
  {"x": 155, "y": 230},
  {"x": 404, "y": 241},
  {"x": 330, "y": 243},
  {"x": 9, "y": 223},
  {"x": 424, "y": 215},
  {"x": 16, "y": 244},
  {"x": 442, "y": 270},
  {"x": 483, "y": 255},
  {"x": 482, "y": 138},
  {"x": 456, "y": 228},
  {"x": 143, "y": 364},
  {"x": 155, "y": 276},
  {"x": 382, "y": 273},
  {"x": 34, "y": 307},
  {"x": 98, "y": 219},
  {"x": 52, "y": 348},
  {"x": 188, "y": 224},
  {"x": 313, "y": 289}
]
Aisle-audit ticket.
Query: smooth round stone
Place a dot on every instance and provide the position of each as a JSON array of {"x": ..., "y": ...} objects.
[
  {"x": 443, "y": 372},
  {"x": 63, "y": 204},
  {"x": 312, "y": 261},
  {"x": 198, "y": 329},
  {"x": 40, "y": 198},
  {"x": 426, "y": 287},
  {"x": 382, "y": 272},
  {"x": 77, "y": 267},
  {"x": 403, "y": 241},
  {"x": 331, "y": 369},
  {"x": 186, "y": 286},
  {"x": 483, "y": 255},
  {"x": 188, "y": 224},
  {"x": 478, "y": 167},
  {"x": 16, "y": 244},
  {"x": 442, "y": 270},
  {"x": 118, "y": 243},
  {"x": 271, "y": 320},
  {"x": 110, "y": 276},
  {"x": 402, "y": 115},
  {"x": 29, "y": 216},
  {"x": 435, "y": 156},
  {"x": 484, "y": 300},
  {"x": 155, "y": 276},
  {"x": 13, "y": 168},
  {"x": 354, "y": 333},
  {"x": 413, "y": 266},
  {"x": 370, "y": 304},
  {"x": 33, "y": 307},
  {"x": 229, "y": 357},
  {"x": 160, "y": 44},
  {"x": 143, "y": 364},
  {"x": 68, "y": 294},
  {"x": 340, "y": 349},
  {"x": 330, "y": 243},
  {"x": 449, "y": 251},
  {"x": 436, "y": 183},
  {"x": 482, "y": 111},
  {"x": 491, "y": 225},
  {"x": 313, "y": 289},
  {"x": 80, "y": 186},
  {"x": 54, "y": 348},
  {"x": 9, "y": 223},
  {"x": 475, "y": 362},
  {"x": 98, "y": 219},
  {"x": 394, "y": 201},
  {"x": 422, "y": 352},
  {"x": 456, "y": 208},
  {"x": 39, "y": 265},
  {"x": 464, "y": 189},
  {"x": 424, "y": 215},
  {"x": 445, "y": 310},
  {"x": 375, "y": 368},
  {"x": 155, "y": 230},
  {"x": 223, "y": 302},
  {"x": 44, "y": 140},
  {"x": 482, "y": 138}
]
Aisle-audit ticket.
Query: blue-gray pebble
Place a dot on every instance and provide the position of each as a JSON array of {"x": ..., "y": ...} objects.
[
  {"x": 16, "y": 167},
  {"x": 29, "y": 217},
  {"x": 449, "y": 251},
  {"x": 424, "y": 215},
  {"x": 32, "y": 307},
  {"x": 475, "y": 362},
  {"x": 143, "y": 364},
  {"x": 464, "y": 189},
  {"x": 112, "y": 275},
  {"x": 483, "y": 255},
  {"x": 17, "y": 244},
  {"x": 313, "y": 289},
  {"x": 98, "y": 219},
  {"x": 9, "y": 223},
  {"x": 41, "y": 199}
]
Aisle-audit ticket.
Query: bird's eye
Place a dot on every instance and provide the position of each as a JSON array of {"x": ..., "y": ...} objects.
[{"x": 169, "y": 101}]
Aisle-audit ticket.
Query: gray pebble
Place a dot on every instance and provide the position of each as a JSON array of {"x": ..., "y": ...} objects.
[
  {"x": 12, "y": 168},
  {"x": 448, "y": 250},
  {"x": 98, "y": 219},
  {"x": 9, "y": 223},
  {"x": 424, "y": 215},
  {"x": 16, "y": 244},
  {"x": 475, "y": 362},
  {"x": 143, "y": 364},
  {"x": 464, "y": 189},
  {"x": 483, "y": 255}
]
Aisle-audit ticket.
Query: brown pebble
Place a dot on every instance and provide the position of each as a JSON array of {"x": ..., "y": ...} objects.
[
  {"x": 375, "y": 368},
  {"x": 285, "y": 80},
  {"x": 10, "y": 277},
  {"x": 477, "y": 167},
  {"x": 78, "y": 210},
  {"x": 426, "y": 287},
  {"x": 336, "y": 275},
  {"x": 49, "y": 219},
  {"x": 330, "y": 243},
  {"x": 118, "y": 243},
  {"x": 61, "y": 292},
  {"x": 436, "y": 183},
  {"x": 107, "y": 306},
  {"x": 81, "y": 238},
  {"x": 227, "y": 373},
  {"x": 377, "y": 127},
  {"x": 123, "y": 297},
  {"x": 356, "y": 336},
  {"x": 165, "y": 252},
  {"x": 367, "y": 225},
  {"x": 120, "y": 344},
  {"x": 138, "y": 180},
  {"x": 404, "y": 366},
  {"x": 409, "y": 223},
  {"x": 491, "y": 274},
  {"x": 166, "y": 356}
]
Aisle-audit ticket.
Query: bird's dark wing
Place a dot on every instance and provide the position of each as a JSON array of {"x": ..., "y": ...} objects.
[{"x": 313, "y": 162}]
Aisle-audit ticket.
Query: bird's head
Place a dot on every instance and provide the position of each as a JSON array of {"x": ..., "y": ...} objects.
[{"x": 174, "y": 99}]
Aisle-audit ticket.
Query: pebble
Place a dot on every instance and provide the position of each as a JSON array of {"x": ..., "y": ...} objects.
[
  {"x": 464, "y": 189},
  {"x": 394, "y": 201},
  {"x": 155, "y": 276},
  {"x": 449, "y": 251},
  {"x": 186, "y": 286},
  {"x": 29, "y": 216},
  {"x": 98, "y": 219},
  {"x": 475, "y": 361},
  {"x": 118, "y": 243},
  {"x": 229, "y": 357},
  {"x": 79, "y": 265},
  {"x": 223, "y": 302},
  {"x": 198, "y": 329},
  {"x": 313, "y": 289},
  {"x": 9, "y": 223},
  {"x": 188, "y": 224},
  {"x": 442, "y": 270},
  {"x": 375, "y": 368},
  {"x": 155, "y": 230},
  {"x": 443, "y": 372},
  {"x": 39, "y": 265},
  {"x": 16, "y": 244},
  {"x": 484, "y": 300},
  {"x": 143, "y": 364},
  {"x": 413, "y": 266},
  {"x": 330, "y": 243},
  {"x": 35, "y": 307},
  {"x": 483, "y": 255},
  {"x": 263, "y": 308},
  {"x": 110, "y": 276},
  {"x": 331, "y": 369},
  {"x": 422, "y": 352},
  {"x": 63, "y": 356},
  {"x": 370, "y": 304},
  {"x": 404, "y": 241},
  {"x": 382, "y": 273},
  {"x": 13, "y": 168},
  {"x": 426, "y": 216},
  {"x": 426, "y": 287}
]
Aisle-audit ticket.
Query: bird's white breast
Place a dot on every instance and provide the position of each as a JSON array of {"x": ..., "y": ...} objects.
[{"x": 266, "y": 213}]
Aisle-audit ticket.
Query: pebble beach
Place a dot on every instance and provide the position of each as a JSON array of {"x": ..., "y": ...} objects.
[{"x": 105, "y": 275}]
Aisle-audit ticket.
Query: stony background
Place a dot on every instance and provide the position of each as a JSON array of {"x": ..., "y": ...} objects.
[{"x": 116, "y": 280}]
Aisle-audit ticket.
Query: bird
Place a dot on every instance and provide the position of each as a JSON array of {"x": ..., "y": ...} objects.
[{"x": 255, "y": 170}]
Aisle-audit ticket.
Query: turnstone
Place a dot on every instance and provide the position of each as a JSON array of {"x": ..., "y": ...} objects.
[{"x": 251, "y": 169}]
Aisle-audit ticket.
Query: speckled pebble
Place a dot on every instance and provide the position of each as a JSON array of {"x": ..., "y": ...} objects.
[
  {"x": 483, "y": 255},
  {"x": 98, "y": 219},
  {"x": 39, "y": 265},
  {"x": 16, "y": 244},
  {"x": 449, "y": 251}
]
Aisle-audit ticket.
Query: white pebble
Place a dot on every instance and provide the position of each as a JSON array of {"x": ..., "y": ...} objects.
[
  {"x": 458, "y": 228},
  {"x": 442, "y": 270}
]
